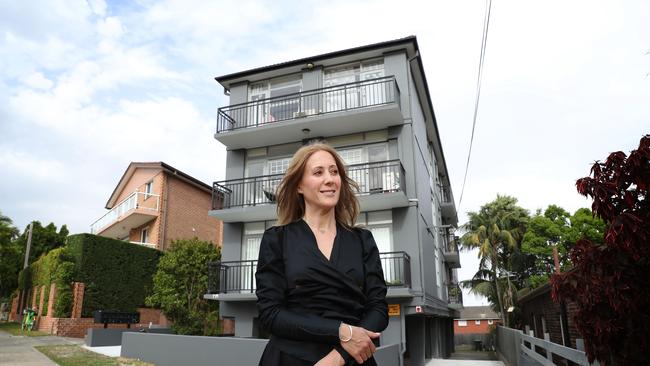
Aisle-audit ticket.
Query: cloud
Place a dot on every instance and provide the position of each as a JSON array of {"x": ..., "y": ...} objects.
[
  {"x": 38, "y": 81},
  {"x": 24, "y": 166}
]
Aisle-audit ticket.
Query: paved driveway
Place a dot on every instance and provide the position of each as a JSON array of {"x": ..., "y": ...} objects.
[
  {"x": 20, "y": 351},
  {"x": 449, "y": 362}
]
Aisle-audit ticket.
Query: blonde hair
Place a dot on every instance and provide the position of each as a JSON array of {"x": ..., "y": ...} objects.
[{"x": 291, "y": 204}]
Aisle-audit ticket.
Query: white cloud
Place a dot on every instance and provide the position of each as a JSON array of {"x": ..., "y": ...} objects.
[
  {"x": 38, "y": 81},
  {"x": 24, "y": 166},
  {"x": 98, "y": 7}
]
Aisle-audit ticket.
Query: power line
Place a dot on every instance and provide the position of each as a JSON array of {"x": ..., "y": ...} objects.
[{"x": 486, "y": 26}]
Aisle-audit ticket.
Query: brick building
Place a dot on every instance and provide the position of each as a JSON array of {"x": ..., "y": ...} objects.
[
  {"x": 476, "y": 320},
  {"x": 541, "y": 315},
  {"x": 155, "y": 203}
]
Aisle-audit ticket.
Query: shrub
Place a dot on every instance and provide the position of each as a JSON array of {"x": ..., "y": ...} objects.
[{"x": 180, "y": 283}]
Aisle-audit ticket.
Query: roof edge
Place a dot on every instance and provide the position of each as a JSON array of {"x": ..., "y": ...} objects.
[{"x": 409, "y": 39}]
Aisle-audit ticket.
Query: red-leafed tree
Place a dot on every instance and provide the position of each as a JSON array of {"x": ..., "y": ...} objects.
[{"x": 610, "y": 283}]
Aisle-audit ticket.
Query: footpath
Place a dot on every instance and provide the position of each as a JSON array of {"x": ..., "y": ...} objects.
[{"x": 20, "y": 351}]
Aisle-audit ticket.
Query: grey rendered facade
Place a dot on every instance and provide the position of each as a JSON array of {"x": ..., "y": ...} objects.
[{"x": 372, "y": 104}]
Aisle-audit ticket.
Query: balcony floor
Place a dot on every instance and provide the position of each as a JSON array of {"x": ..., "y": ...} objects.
[
  {"x": 367, "y": 202},
  {"x": 122, "y": 227},
  {"x": 330, "y": 124}
]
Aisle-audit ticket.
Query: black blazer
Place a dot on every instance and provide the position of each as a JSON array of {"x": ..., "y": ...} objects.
[{"x": 303, "y": 297}]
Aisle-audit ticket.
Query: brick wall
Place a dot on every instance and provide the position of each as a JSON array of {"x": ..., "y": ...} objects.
[
  {"x": 187, "y": 213},
  {"x": 473, "y": 328},
  {"x": 137, "y": 181},
  {"x": 76, "y": 326},
  {"x": 541, "y": 307}
]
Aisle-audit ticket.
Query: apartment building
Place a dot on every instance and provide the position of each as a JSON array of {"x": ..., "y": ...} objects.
[
  {"x": 372, "y": 104},
  {"x": 155, "y": 203}
]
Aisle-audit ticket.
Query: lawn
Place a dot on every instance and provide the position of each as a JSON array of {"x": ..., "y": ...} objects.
[
  {"x": 14, "y": 329},
  {"x": 74, "y": 355}
]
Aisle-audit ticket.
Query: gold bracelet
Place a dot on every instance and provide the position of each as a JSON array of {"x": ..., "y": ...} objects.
[{"x": 347, "y": 340}]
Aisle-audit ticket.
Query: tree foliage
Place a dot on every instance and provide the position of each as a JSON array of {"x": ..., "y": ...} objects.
[
  {"x": 556, "y": 228},
  {"x": 609, "y": 283},
  {"x": 44, "y": 239},
  {"x": 495, "y": 230},
  {"x": 9, "y": 257},
  {"x": 180, "y": 283}
]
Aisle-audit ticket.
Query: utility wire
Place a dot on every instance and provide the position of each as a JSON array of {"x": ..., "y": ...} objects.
[{"x": 486, "y": 26}]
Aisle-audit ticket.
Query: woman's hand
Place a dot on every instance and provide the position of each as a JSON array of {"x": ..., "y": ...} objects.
[
  {"x": 331, "y": 359},
  {"x": 360, "y": 345}
]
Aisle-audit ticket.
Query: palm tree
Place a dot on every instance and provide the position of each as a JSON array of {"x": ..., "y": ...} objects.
[
  {"x": 491, "y": 242},
  {"x": 495, "y": 231}
]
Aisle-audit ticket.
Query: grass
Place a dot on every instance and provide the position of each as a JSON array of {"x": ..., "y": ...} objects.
[
  {"x": 14, "y": 329},
  {"x": 74, "y": 355}
]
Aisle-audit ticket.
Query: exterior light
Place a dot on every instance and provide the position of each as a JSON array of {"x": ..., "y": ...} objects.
[{"x": 310, "y": 66}]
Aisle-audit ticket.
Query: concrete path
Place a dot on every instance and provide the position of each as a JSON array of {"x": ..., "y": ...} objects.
[
  {"x": 450, "y": 362},
  {"x": 20, "y": 351},
  {"x": 110, "y": 351}
]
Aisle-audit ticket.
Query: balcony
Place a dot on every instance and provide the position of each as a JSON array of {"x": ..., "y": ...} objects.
[
  {"x": 454, "y": 296},
  {"x": 135, "y": 210},
  {"x": 381, "y": 186},
  {"x": 336, "y": 110},
  {"x": 148, "y": 245},
  {"x": 450, "y": 251},
  {"x": 235, "y": 280},
  {"x": 448, "y": 208}
]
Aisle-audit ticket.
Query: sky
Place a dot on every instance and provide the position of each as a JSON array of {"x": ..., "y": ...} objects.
[{"x": 86, "y": 87}]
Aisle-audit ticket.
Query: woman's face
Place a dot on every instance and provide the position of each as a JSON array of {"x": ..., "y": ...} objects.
[{"x": 321, "y": 182}]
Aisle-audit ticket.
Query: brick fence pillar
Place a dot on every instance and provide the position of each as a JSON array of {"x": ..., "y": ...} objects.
[
  {"x": 78, "y": 295},
  {"x": 34, "y": 296},
  {"x": 41, "y": 301},
  {"x": 50, "y": 300},
  {"x": 13, "y": 313}
]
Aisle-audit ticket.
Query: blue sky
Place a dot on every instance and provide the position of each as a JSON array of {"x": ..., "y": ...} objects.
[{"x": 88, "y": 86}]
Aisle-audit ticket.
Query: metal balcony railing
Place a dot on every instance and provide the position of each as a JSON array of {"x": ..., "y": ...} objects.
[
  {"x": 454, "y": 294},
  {"x": 397, "y": 268},
  {"x": 361, "y": 94},
  {"x": 445, "y": 195},
  {"x": 373, "y": 178},
  {"x": 136, "y": 200},
  {"x": 239, "y": 276},
  {"x": 451, "y": 242}
]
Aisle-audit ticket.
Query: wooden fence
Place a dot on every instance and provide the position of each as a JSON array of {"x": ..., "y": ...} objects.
[{"x": 518, "y": 349}]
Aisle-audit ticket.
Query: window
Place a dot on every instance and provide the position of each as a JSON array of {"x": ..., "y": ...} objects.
[
  {"x": 144, "y": 235},
  {"x": 462, "y": 323},
  {"x": 279, "y": 166},
  {"x": 359, "y": 94},
  {"x": 375, "y": 178},
  {"x": 278, "y": 109},
  {"x": 477, "y": 322},
  {"x": 490, "y": 321},
  {"x": 148, "y": 189},
  {"x": 380, "y": 224}
]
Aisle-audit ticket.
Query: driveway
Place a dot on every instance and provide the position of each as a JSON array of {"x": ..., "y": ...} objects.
[{"x": 20, "y": 351}]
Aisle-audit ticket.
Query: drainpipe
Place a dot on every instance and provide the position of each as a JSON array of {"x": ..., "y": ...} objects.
[{"x": 163, "y": 220}]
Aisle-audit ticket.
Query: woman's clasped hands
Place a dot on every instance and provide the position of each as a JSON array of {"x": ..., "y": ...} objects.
[{"x": 356, "y": 341}]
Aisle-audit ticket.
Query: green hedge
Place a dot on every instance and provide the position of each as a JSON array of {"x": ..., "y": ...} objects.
[
  {"x": 54, "y": 267},
  {"x": 118, "y": 275}
]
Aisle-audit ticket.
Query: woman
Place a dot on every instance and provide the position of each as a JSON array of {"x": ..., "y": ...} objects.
[{"x": 320, "y": 286}]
